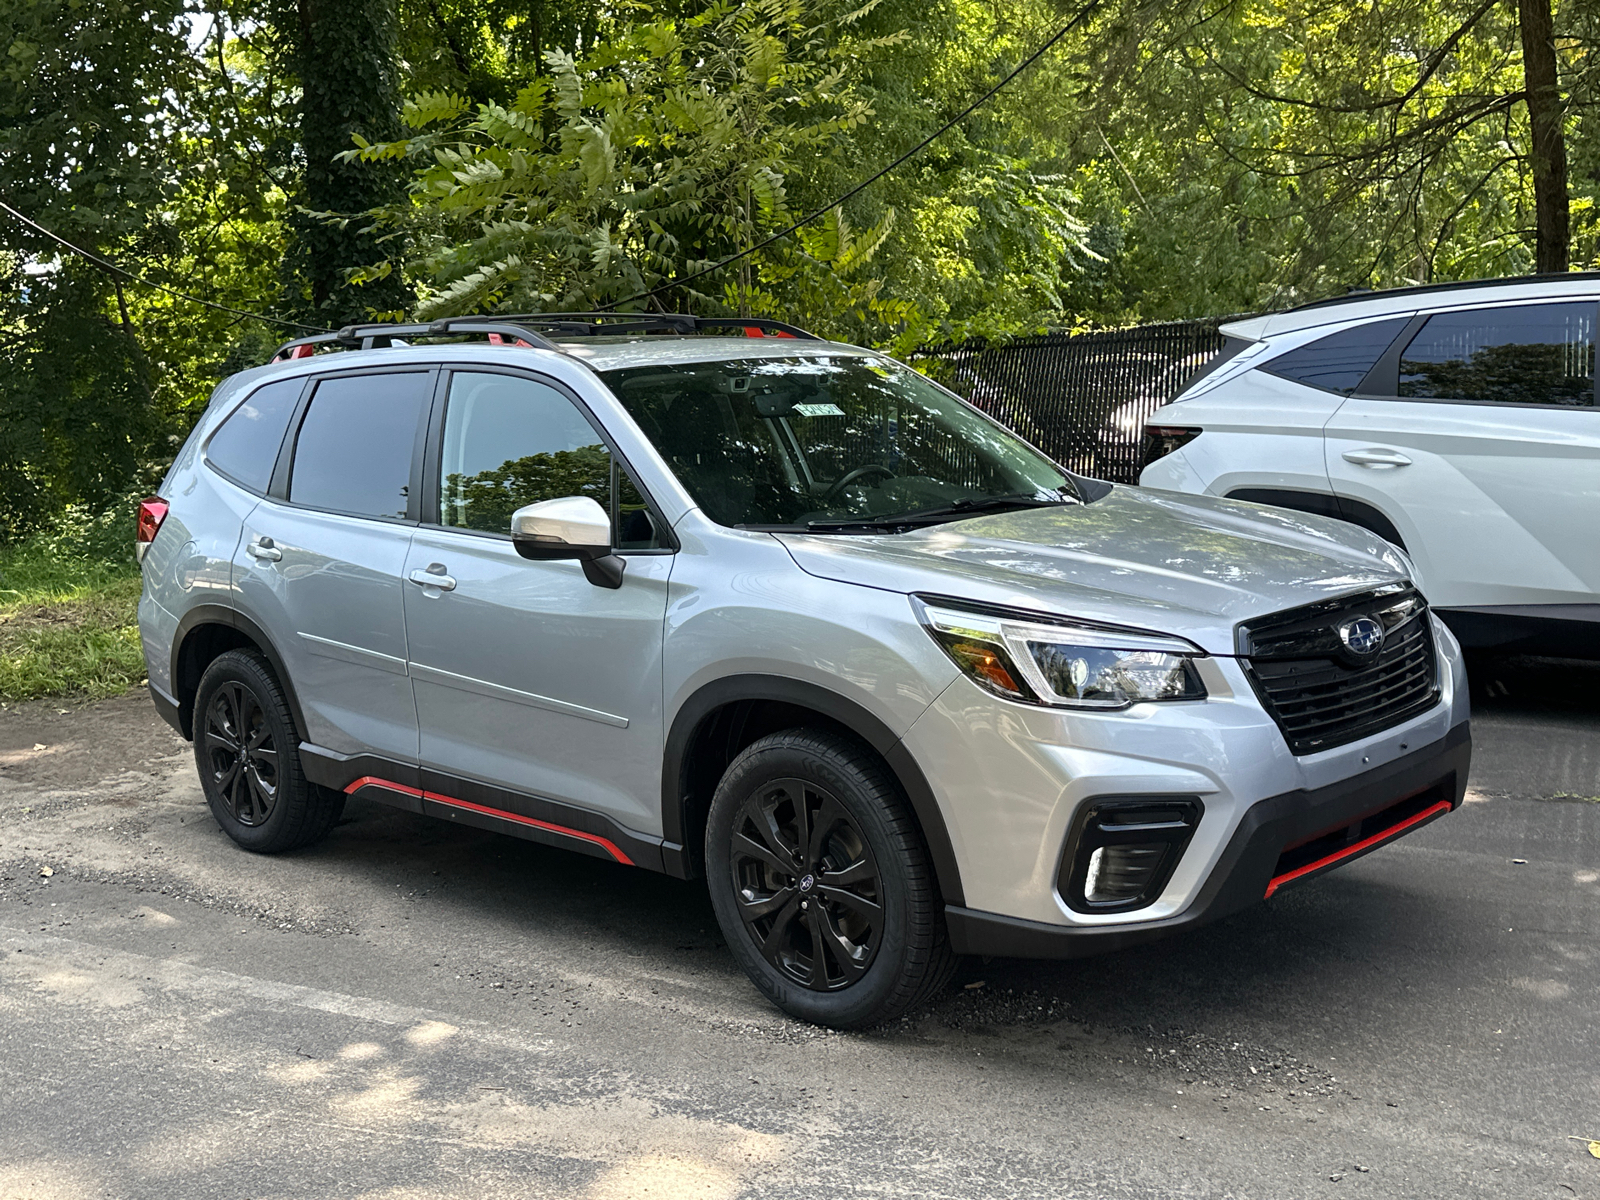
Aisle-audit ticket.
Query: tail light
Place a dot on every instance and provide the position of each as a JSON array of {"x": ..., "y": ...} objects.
[
  {"x": 1162, "y": 440},
  {"x": 152, "y": 511}
]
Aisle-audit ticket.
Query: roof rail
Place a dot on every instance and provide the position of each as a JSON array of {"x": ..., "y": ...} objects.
[
  {"x": 379, "y": 335},
  {"x": 590, "y": 324},
  {"x": 532, "y": 330},
  {"x": 1356, "y": 295}
]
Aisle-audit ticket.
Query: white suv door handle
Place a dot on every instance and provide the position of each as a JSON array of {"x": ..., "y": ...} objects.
[
  {"x": 1377, "y": 457},
  {"x": 264, "y": 548},
  {"x": 435, "y": 577}
]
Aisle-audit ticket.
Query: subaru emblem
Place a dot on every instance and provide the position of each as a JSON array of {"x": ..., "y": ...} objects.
[{"x": 1363, "y": 636}]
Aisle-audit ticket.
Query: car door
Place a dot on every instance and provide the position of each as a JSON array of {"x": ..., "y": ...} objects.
[
  {"x": 320, "y": 563},
  {"x": 529, "y": 678},
  {"x": 1478, "y": 436}
]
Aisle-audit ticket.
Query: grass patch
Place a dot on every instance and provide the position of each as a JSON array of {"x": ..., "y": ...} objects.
[{"x": 69, "y": 611}]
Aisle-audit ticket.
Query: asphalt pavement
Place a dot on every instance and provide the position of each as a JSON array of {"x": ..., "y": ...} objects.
[{"x": 414, "y": 1009}]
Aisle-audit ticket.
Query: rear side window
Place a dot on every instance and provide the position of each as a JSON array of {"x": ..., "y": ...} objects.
[
  {"x": 510, "y": 441},
  {"x": 1527, "y": 354},
  {"x": 245, "y": 447},
  {"x": 356, "y": 444},
  {"x": 1340, "y": 361}
]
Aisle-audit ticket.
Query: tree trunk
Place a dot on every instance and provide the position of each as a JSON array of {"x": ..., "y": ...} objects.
[
  {"x": 349, "y": 75},
  {"x": 1548, "y": 156}
]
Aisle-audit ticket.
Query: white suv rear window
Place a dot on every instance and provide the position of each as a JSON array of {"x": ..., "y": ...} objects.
[{"x": 1340, "y": 361}]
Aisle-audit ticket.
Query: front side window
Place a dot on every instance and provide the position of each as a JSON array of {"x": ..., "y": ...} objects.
[
  {"x": 511, "y": 441},
  {"x": 1522, "y": 354},
  {"x": 1340, "y": 361},
  {"x": 357, "y": 441},
  {"x": 804, "y": 441},
  {"x": 245, "y": 447}
]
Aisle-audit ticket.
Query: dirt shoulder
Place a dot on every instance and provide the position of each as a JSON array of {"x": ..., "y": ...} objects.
[{"x": 75, "y": 743}]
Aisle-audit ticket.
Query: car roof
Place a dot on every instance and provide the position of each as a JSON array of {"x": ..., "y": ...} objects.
[
  {"x": 598, "y": 354},
  {"x": 658, "y": 350},
  {"x": 1403, "y": 301}
]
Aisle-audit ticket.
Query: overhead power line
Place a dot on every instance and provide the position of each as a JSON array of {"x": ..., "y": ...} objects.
[
  {"x": 1083, "y": 13},
  {"x": 108, "y": 265}
]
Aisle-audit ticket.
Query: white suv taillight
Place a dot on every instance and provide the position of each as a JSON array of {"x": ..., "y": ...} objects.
[{"x": 152, "y": 511}]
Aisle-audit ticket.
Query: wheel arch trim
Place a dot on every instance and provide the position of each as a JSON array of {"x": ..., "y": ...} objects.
[
  {"x": 220, "y": 614},
  {"x": 689, "y": 721}
]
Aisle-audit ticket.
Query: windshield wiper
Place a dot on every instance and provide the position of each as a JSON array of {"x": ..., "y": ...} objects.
[{"x": 971, "y": 506}]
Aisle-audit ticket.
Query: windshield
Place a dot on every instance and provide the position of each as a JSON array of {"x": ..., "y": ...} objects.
[{"x": 783, "y": 443}]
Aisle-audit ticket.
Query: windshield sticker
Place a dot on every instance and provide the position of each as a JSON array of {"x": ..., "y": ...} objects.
[{"x": 819, "y": 410}]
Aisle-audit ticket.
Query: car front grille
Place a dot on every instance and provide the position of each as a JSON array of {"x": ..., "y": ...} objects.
[{"x": 1321, "y": 692}]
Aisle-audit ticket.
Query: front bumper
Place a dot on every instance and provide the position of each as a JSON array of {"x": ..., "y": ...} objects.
[{"x": 1433, "y": 778}]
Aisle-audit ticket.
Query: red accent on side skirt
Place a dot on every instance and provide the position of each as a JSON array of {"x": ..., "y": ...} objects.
[
  {"x": 1366, "y": 843},
  {"x": 374, "y": 781},
  {"x": 605, "y": 844}
]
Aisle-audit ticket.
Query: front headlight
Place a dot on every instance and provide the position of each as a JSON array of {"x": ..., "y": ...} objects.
[{"x": 1043, "y": 660}]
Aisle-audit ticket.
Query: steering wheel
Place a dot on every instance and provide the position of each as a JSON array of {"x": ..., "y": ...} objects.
[{"x": 850, "y": 477}]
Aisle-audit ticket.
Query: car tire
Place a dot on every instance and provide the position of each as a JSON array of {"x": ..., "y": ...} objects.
[
  {"x": 247, "y": 750},
  {"x": 848, "y": 881}
]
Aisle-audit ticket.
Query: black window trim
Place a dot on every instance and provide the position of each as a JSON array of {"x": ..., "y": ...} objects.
[
  {"x": 1382, "y": 382},
  {"x": 294, "y": 415},
  {"x": 433, "y": 456},
  {"x": 282, "y": 471}
]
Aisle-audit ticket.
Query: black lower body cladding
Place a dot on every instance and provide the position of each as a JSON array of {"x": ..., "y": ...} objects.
[{"x": 1280, "y": 841}]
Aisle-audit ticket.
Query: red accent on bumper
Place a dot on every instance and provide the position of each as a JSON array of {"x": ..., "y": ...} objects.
[
  {"x": 605, "y": 844},
  {"x": 1365, "y": 843}
]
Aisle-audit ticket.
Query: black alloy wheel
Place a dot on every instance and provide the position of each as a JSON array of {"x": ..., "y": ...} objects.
[
  {"x": 807, "y": 885},
  {"x": 242, "y": 754},
  {"x": 821, "y": 880},
  {"x": 247, "y": 748}
]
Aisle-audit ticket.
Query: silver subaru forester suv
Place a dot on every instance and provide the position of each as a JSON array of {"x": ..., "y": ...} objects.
[{"x": 720, "y": 599}]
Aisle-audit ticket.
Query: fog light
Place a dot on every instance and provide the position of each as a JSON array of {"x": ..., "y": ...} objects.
[
  {"x": 1121, "y": 873},
  {"x": 1121, "y": 853}
]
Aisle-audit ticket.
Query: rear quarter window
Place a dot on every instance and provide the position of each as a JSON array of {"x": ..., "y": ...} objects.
[
  {"x": 245, "y": 446},
  {"x": 1340, "y": 361}
]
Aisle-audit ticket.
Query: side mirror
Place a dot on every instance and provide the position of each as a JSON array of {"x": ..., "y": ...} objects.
[{"x": 572, "y": 527}]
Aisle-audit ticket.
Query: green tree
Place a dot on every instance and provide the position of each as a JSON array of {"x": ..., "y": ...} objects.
[
  {"x": 1248, "y": 154},
  {"x": 343, "y": 57},
  {"x": 679, "y": 143},
  {"x": 87, "y": 106}
]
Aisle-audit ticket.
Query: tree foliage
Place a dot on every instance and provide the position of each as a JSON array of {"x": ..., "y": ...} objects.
[
  {"x": 1168, "y": 158},
  {"x": 678, "y": 144},
  {"x": 82, "y": 91}
]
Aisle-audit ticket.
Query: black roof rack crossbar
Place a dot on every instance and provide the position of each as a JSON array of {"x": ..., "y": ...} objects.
[{"x": 367, "y": 337}]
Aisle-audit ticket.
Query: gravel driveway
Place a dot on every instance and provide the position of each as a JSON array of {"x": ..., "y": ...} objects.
[{"x": 415, "y": 1009}]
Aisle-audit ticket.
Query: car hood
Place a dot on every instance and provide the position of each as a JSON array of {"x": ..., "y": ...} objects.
[{"x": 1193, "y": 566}]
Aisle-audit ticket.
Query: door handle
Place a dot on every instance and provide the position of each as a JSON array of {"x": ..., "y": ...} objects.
[
  {"x": 434, "y": 577},
  {"x": 265, "y": 549},
  {"x": 1377, "y": 456}
]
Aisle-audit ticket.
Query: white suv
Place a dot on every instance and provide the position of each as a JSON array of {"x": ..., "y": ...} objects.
[{"x": 1457, "y": 421}]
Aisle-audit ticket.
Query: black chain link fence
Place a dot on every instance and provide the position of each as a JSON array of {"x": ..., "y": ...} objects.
[{"x": 1082, "y": 398}]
